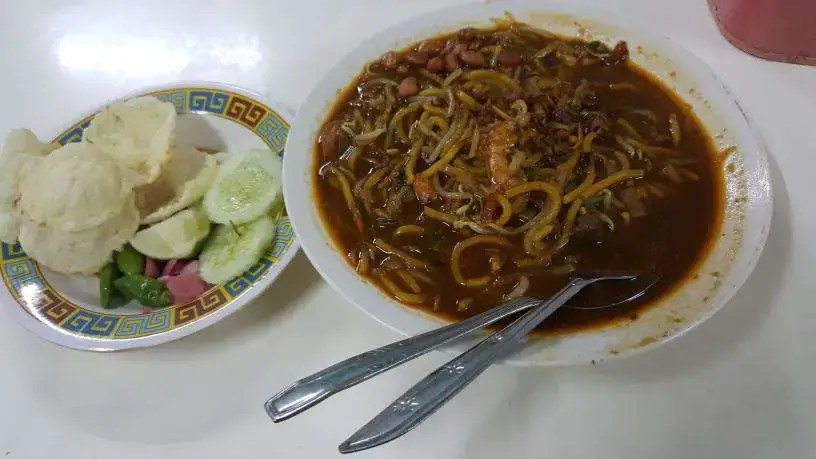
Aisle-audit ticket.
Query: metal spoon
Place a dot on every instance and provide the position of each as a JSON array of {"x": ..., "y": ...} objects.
[
  {"x": 427, "y": 396},
  {"x": 311, "y": 390}
]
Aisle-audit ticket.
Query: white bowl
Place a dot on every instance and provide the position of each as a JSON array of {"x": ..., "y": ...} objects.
[{"x": 748, "y": 189}]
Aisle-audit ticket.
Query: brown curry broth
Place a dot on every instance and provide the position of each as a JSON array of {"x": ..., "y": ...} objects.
[{"x": 664, "y": 245}]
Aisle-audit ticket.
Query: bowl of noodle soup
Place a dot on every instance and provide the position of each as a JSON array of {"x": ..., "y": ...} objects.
[{"x": 466, "y": 157}]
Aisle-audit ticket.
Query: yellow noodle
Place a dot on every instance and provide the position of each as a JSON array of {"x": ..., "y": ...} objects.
[
  {"x": 629, "y": 129},
  {"x": 467, "y": 167},
  {"x": 451, "y": 98},
  {"x": 553, "y": 192},
  {"x": 601, "y": 185},
  {"x": 421, "y": 276},
  {"x": 674, "y": 130},
  {"x": 345, "y": 186},
  {"x": 435, "y": 121},
  {"x": 363, "y": 264},
  {"x": 396, "y": 120},
  {"x": 410, "y": 165},
  {"x": 410, "y": 260},
  {"x": 501, "y": 113},
  {"x": 655, "y": 190},
  {"x": 507, "y": 210},
  {"x": 431, "y": 92},
  {"x": 433, "y": 109},
  {"x": 570, "y": 164},
  {"x": 441, "y": 216},
  {"x": 497, "y": 78},
  {"x": 456, "y": 256},
  {"x": 626, "y": 216},
  {"x": 375, "y": 177},
  {"x": 548, "y": 188},
  {"x": 474, "y": 144},
  {"x": 348, "y": 173},
  {"x": 433, "y": 77},
  {"x": 574, "y": 194},
  {"x": 622, "y": 159},
  {"x": 334, "y": 182},
  {"x": 423, "y": 128},
  {"x": 572, "y": 213},
  {"x": 407, "y": 229},
  {"x": 454, "y": 134},
  {"x": 409, "y": 281},
  {"x": 547, "y": 171},
  {"x": 468, "y": 100},
  {"x": 443, "y": 161},
  {"x": 400, "y": 294},
  {"x": 516, "y": 162},
  {"x": 587, "y": 144},
  {"x": 534, "y": 236},
  {"x": 352, "y": 159}
]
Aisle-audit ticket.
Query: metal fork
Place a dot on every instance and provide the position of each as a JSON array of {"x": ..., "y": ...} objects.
[
  {"x": 431, "y": 393},
  {"x": 313, "y": 389}
]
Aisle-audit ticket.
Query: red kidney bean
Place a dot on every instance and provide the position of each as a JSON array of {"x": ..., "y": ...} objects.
[
  {"x": 460, "y": 48},
  {"x": 435, "y": 65},
  {"x": 417, "y": 57},
  {"x": 509, "y": 59},
  {"x": 451, "y": 61},
  {"x": 473, "y": 58},
  {"x": 390, "y": 60},
  {"x": 408, "y": 87}
]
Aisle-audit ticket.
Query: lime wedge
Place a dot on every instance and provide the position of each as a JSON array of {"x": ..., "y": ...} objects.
[
  {"x": 247, "y": 186},
  {"x": 177, "y": 237},
  {"x": 233, "y": 249}
]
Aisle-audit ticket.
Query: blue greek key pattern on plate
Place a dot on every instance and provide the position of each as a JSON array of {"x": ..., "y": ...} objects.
[
  {"x": 177, "y": 98},
  {"x": 74, "y": 134},
  {"x": 274, "y": 131},
  {"x": 91, "y": 323},
  {"x": 22, "y": 273},
  {"x": 12, "y": 251},
  {"x": 284, "y": 235},
  {"x": 28, "y": 286},
  {"x": 207, "y": 101},
  {"x": 135, "y": 326}
]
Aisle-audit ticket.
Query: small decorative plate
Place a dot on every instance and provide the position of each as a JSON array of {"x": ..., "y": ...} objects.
[{"x": 63, "y": 309}]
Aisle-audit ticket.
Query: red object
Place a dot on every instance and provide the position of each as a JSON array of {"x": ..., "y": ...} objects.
[
  {"x": 151, "y": 268},
  {"x": 191, "y": 269},
  {"x": 173, "y": 267},
  {"x": 184, "y": 288},
  {"x": 779, "y": 30}
]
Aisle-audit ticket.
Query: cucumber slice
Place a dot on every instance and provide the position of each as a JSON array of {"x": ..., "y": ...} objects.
[
  {"x": 246, "y": 187},
  {"x": 177, "y": 237},
  {"x": 233, "y": 249}
]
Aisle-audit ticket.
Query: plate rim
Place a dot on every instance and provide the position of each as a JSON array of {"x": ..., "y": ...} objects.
[{"x": 56, "y": 335}]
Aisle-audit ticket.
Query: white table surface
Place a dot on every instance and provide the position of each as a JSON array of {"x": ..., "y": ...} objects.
[{"x": 743, "y": 385}]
